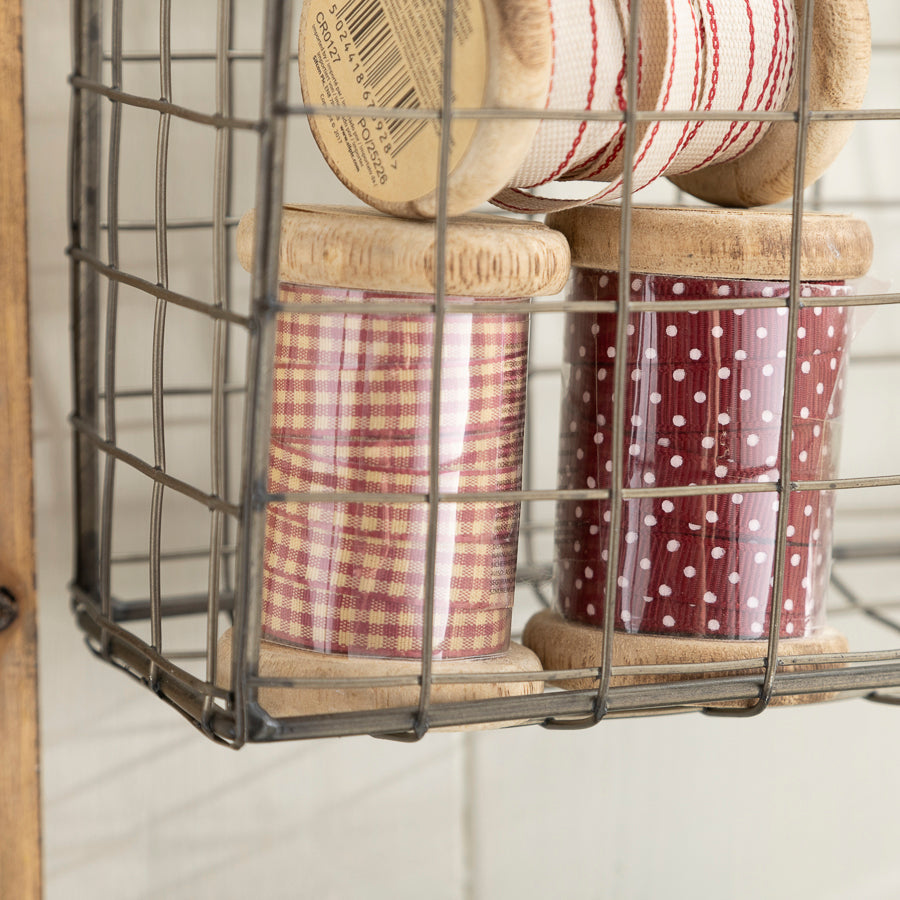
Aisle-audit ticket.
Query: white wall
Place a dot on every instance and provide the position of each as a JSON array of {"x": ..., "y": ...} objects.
[{"x": 798, "y": 803}]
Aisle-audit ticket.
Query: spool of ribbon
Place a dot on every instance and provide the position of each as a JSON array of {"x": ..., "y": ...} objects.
[
  {"x": 346, "y": 578},
  {"x": 703, "y": 407},
  {"x": 708, "y": 56},
  {"x": 351, "y": 414},
  {"x": 695, "y": 55}
]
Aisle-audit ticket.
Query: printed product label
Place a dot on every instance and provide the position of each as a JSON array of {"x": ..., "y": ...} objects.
[{"x": 387, "y": 54}]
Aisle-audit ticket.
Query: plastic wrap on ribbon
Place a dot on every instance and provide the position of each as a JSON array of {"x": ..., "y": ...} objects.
[
  {"x": 351, "y": 414},
  {"x": 703, "y": 407}
]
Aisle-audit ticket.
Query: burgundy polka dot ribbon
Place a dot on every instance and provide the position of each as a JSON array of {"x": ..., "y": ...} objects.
[
  {"x": 703, "y": 407},
  {"x": 351, "y": 413}
]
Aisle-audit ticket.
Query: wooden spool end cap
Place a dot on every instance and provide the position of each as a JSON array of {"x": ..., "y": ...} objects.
[
  {"x": 281, "y": 661},
  {"x": 486, "y": 256},
  {"x": 502, "y": 59},
  {"x": 562, "y": 644},
  {"x": 839, "y": 72},
  {"x": 717, "y": 243}
]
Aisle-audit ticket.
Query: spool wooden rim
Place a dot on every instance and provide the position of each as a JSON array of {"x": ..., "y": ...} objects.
[
  {"x": 280, "y": 661},
  {"x": 717, "y": 243},
  {"x": 505, "y": 62},
  {"x": 562, "y": 644},
  {"x": 839, "y": 71},
  {"x": 486, "y": 256}
]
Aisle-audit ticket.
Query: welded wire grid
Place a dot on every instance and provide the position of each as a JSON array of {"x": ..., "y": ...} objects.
[{"x": 203, "y": 526}]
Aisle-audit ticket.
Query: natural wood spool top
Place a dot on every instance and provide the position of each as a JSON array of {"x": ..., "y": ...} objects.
[
  {"x": 486, "y": 256},
  {"x": 718, "y": 243},
  {"x": 502, "y": 59}
]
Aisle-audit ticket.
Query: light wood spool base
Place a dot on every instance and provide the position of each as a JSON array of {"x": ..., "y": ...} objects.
[
  {"x": 281, "y": 661},
  {"x": 569, "y": 645}
]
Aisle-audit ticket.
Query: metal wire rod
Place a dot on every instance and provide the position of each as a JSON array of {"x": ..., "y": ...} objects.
[
  {"x": 804, "y": 57},
  {"x": 434, "y": 412},
  {"x": 838, "y": 611},
  {"x": 87, "y": 607},
  {"x": 219, "y": 374},
  {"x": 138, "y": 393},
  {"x": 173, "y": 224},
  {"x": 549, "y": 676},
  {"x": 260, "y": 366},
  {"x": 164, "y": 107},
  {"x": 84, "y": 164},
  {"x": 636, "y": 698},
  {"x": 578, "y": 115},
  {"x": 231, "y": 55},
  {"x": 172, "y": 605},
  {"x": 587, "y": 494},
  {"x": 568, "y": 306},
  {"x": 623, "y": 309},
  {"x": 124, "y": 559},
  {"x": 182, "y": 487},
  {"x": 591, "y": 115},
  {"x": 156, "y": 290},
  {"x": 112, "y": 296},
  {"x": 631, "y": 699}
]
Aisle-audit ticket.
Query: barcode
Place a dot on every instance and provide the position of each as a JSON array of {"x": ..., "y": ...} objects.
[{"x": 386, "y": 75}]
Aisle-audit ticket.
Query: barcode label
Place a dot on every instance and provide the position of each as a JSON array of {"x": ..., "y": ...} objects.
[
  {"x": 383, "y": 57},
  {"x": 387, "y": 75}
]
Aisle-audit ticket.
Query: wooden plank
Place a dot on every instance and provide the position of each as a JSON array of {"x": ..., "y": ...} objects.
[{"x": 20, "y": 855}]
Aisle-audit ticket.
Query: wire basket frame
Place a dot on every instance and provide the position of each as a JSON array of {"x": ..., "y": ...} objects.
[{"x": 233, "y": 321}]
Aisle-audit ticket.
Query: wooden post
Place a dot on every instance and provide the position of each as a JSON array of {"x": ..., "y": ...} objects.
[{"x": 20, "y": 854}]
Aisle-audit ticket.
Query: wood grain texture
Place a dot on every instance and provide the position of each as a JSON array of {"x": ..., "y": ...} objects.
[
  {"x": 486, "y": 256},
  {"x": 518, "y": 36},
  {"x": 20, "y": 855},
  {"x": 569, "y": 645},
  {"x": 280, "y": 661},
  {"x": 839, "y": 73},
  {"x": 718, "y": 243}
]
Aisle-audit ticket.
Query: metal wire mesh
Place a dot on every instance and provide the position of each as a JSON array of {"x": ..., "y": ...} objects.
[{"x": 173, "y": 350}]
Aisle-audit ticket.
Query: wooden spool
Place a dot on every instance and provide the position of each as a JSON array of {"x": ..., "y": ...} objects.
[
  {"x": 839, "y": 72},
  {"x": 568, "y": 645},
  {"x": 280, "y": 661},
  {"x": 486, "y": 257},
  {"x": 717, "y": 243},
  {"x": 699, "y": 243},
  {"x": 503, "y": 59}
]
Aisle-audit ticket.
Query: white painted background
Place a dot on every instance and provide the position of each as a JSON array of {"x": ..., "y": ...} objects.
[{"x": 798, "y": 803}]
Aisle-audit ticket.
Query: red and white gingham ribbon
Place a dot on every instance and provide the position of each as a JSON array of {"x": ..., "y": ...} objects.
[
  {"x": 693, "y": 55},
  {"x": 351, "y": 413}
]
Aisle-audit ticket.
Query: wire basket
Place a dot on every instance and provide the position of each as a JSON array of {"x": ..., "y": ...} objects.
[{"x": 184, "y": 115}]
